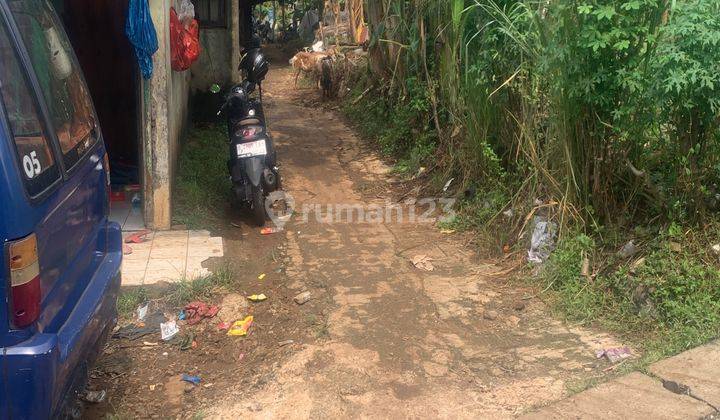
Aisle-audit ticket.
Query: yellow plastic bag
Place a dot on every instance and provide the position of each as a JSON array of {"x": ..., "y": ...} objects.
[{"x": 240, "y": 328}]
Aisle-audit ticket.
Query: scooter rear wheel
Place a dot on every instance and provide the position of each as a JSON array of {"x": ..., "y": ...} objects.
[{"x": 259, "y": 213}]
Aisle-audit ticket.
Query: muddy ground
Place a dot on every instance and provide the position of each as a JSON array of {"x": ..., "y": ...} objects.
[{"x": 379, "y": 337}]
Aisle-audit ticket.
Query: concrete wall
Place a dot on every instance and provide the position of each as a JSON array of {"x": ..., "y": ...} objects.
[
  {"x": 178, "y": 118},
  {"x": 164, "y": 116},
  {"x": 213, "y": 66},
  {"x": 219, "y": 50}
]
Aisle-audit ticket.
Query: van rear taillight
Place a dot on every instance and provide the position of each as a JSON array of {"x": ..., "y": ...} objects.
[{"x": 24, "y": 281}]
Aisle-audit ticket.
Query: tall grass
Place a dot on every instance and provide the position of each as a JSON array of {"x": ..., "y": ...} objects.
[{"x": 557, "y": 101}]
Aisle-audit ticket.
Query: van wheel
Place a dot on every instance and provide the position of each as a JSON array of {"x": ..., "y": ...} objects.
[{"x": 258, "y": 205}]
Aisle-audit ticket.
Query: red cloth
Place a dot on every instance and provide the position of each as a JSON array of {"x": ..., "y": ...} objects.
[
  {"x": 184, "y": 42},
  {"x": 197, "y": 311}
]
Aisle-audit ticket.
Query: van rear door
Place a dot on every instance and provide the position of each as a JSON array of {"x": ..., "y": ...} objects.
[{"x": 67, "y": 217}]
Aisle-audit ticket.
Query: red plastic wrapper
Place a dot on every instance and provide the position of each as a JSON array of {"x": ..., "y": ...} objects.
[{"x": 184, "y": 42}]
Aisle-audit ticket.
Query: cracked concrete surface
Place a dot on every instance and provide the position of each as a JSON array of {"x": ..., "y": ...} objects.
[{"x": 683, "y": 386}]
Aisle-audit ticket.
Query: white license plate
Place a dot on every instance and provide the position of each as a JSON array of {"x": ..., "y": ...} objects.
[{"x": 254, "y": 148}]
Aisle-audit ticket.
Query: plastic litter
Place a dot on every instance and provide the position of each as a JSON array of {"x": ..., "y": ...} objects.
[
  {"x": 423, "y": 262},
  {"x": 181, "y": 316},
  {"x": 149, "y": 326},
  {"x": 168, "y": 330},
  {"x": 184, "y": 42},
  {"x": 257, "y": 298},
  {"x": 224, "y": 326},
  {"x": 186, "y": 10},
  {"x": 542, "y": 242},
  {"x": 318, "y": 46},
  {"x": 140, "y": 30},
  {"x": 188, "y": 342},
  {"x": 614, "y": 355},
  {"x": 448, "y": 184},
  {"x": 716, "y": 249},
  {"x": 138, "y": 237},
  {"x": 141, "y": 312},
  {"x": 195, "y": 380},
  {"x": 240, "y": 328},
  {"x": 261, "y": 276},
  {"x": 628, "y": 250},
  {"x": 94, "y": 397},
  {"x": 270, "y": 230},
  {"x": 197, "y": 311},
  {"x": 585, "y": 269}
]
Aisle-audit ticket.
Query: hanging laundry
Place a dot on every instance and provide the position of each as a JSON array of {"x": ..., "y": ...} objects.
[{"x": 140, "y": 30}]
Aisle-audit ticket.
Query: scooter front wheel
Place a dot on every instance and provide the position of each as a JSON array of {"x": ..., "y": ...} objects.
[{"x": 259, "y": 213}]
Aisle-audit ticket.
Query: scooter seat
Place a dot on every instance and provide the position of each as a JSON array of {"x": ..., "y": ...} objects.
[{"x": 250, "y": 121}]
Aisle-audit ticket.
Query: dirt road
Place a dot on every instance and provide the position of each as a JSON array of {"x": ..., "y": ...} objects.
[
  {"x": 457, "y": 341},
  {"x": 379, "y": 337}
]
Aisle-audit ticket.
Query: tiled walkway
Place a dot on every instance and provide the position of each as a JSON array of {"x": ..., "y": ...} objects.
[
  {"x": 128, "y": 216},
  {"x": 170, "y": 256}
]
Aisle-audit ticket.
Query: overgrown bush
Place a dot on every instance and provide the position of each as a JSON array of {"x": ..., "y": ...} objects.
[
  {"x": 667, "y": 299},
  {"x": 400, "y": 126},
  {"x": 607, "y": 108}
]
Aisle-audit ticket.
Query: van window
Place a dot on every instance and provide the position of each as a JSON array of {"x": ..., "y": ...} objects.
[
  {"x": 31, "y": 142},
  {"x": 60, "y": 77}
]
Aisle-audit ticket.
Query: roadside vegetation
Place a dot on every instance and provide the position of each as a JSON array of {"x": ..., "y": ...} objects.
[
  {"x": 602, "y": 117},
  {"x": 204, "y": 288},
  {"x": 201, "y": 189}
]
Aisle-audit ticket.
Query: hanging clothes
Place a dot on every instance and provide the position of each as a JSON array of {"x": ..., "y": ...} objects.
[{"x": 140, "y": 30}]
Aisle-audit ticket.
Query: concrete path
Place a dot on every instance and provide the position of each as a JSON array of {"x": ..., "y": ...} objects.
[{"x": 685, "y": 386}]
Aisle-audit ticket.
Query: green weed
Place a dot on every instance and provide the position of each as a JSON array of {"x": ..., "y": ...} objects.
[
  {"x": 201, "y": 189},
  {"x": 129, "y": 300},
  {"x": 664, "y": 300},
  {"x": 202, "y": 288}
]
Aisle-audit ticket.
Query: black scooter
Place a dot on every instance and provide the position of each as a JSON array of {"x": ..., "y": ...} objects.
[{"x": 253, "y": 160}]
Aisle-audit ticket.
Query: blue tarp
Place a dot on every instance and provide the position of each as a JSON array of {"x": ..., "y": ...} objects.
[{"x": 140, "y": 31}]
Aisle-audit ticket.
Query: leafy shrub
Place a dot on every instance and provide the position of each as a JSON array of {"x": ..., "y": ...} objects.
[{"x": 667, "y": 300}]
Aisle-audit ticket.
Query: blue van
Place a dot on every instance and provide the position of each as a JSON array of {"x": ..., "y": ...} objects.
[{"x": 60, "y": 261}]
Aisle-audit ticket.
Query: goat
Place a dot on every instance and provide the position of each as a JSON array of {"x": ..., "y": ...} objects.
[
  {"x": 306, "y": 62},
  {"x": 309, "y": 62},
  {"x": 326, "y": 76}
]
